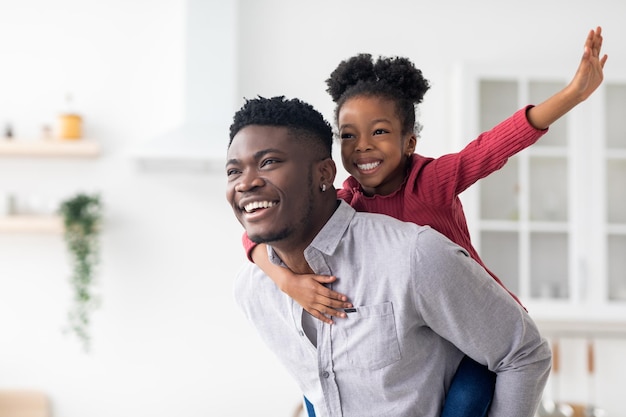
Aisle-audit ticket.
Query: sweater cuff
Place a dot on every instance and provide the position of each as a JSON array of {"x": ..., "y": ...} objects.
[
  {"x": 525, "y": 111},
  {"x": 248, "y": 246}
]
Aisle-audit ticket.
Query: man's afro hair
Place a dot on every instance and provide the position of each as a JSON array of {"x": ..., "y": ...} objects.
[{"x": 293, "y": 114}]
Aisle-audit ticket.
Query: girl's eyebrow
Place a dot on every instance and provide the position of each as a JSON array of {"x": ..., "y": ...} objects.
[{"x": 372, "y": 122}]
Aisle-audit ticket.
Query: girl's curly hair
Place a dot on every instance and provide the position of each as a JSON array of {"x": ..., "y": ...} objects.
[{"x": 390, "y": 78}]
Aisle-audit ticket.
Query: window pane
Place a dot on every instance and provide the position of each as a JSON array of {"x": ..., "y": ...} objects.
[
  {"x": 498, "y": 101},
  {"x": 617, "y": 268},
  {"x": 616, "y": 191},
  {"x": 548, "y": 265},
  {"x": 499, "y": 252},
  {"x": 615, "y": 120},
  {"x": 548, "y": 189},
  {"x": 499, "y": 193}
]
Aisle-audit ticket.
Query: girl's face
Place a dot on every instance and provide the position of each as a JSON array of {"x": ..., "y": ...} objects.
[{"x": 373, "y": 149}]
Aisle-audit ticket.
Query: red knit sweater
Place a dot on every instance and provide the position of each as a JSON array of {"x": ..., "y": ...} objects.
[{"x": 429, "y": 194}]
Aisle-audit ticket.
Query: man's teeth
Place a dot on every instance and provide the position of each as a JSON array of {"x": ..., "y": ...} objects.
[
  {"x": 367, "y": 167},
  {"x": 250, "y": 207}
]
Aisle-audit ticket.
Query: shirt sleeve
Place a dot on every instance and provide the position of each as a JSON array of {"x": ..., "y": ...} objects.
[
  {"x": 449, "y": 175},
  {"x": 463, "y": 304}
]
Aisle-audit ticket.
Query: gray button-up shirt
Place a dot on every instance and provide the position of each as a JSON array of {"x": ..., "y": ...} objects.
[{"x": 420, "y": 303}]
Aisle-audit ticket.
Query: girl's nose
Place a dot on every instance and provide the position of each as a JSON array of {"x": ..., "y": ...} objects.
[{"x": 363, "y": 144}]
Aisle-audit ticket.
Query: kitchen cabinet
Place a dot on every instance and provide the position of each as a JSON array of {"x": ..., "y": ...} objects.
[{"x": 552, "y": 222}]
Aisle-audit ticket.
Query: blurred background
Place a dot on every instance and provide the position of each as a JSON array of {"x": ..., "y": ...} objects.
[{"x": 155, "y": 84}]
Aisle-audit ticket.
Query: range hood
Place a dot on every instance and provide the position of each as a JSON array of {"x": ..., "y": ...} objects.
[
  {"x": 209, "y": 96},
  {"x": 193, "y": 145}
]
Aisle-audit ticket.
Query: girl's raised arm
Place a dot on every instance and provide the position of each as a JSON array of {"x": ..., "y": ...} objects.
[{"x": 586, "y": 80}]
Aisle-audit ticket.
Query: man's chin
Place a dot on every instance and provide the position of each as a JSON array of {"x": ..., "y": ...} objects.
[
  {"x": 268, "y": 237},
  {"x": 260, "y": 238}
]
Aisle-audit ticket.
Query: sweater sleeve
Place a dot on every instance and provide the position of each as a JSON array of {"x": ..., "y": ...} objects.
[
  {"x": 449, "y": 175},
  {"x": 346, "y": 193},
  {"x": 248, "y": 246}
]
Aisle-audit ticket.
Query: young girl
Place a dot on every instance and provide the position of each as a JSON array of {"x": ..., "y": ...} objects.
[{"x": 375, "y": 117}]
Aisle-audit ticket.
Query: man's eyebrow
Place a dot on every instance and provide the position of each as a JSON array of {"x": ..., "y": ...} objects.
[{"x": 257, "y": 155}]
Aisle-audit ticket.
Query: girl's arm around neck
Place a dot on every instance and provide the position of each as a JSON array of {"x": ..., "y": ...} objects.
[{"x": 308, "y": 290}]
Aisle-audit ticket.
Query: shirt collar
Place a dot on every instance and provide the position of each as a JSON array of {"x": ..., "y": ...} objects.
[{"x": 331, "y": 234}]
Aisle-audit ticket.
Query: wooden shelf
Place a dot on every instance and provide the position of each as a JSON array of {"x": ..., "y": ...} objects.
[
  {"x": 31, "y": 224},
  {"x": 81, "y": 148}
]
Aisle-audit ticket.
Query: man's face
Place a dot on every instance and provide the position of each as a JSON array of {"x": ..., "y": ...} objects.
[{"x": 270, "y": 185}]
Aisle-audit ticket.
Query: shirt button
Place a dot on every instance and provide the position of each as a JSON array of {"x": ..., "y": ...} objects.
[
  {"x": 301, "y": 333},
  {"x": 325, "y": 374}
]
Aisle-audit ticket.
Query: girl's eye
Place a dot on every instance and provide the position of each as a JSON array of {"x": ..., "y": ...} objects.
[
  {"x": 346, "y": 136},
  {"x": 380, "y": 132}
]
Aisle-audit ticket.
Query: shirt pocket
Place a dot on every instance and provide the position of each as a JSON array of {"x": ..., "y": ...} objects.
[{"x": 371, "y": 340}]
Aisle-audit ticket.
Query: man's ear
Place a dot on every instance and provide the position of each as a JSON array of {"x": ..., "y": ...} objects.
[{"x": 327, "y": 170}]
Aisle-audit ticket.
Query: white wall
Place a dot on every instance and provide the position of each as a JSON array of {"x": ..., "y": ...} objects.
[{"x": 168, "y": 339}]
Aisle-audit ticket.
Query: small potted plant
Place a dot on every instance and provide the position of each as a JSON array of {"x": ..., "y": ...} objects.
[{"x": 82, "y": 218}]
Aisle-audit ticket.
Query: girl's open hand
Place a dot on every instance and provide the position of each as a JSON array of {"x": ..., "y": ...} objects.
[
  {"x": 590, "y": 71},
  {"x": 321, "y": 302}
]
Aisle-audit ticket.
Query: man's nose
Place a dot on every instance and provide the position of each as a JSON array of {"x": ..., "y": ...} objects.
[{"x": 248, "y": 182}]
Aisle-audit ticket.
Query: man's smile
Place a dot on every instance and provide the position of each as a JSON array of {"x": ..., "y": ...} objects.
[{"x": 255, "y": 205}]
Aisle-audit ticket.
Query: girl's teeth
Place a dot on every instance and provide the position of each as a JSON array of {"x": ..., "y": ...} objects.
[{"x": 367, "y": 167}]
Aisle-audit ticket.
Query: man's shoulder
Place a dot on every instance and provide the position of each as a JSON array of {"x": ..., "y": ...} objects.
[
  {"x": 386, "y": 221},
  {"x": 248, "y": 280},
  {"x": 389, "y": 228}
]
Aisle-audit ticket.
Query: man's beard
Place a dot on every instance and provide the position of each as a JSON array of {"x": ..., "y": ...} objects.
[{"x": 275, "y": 236}]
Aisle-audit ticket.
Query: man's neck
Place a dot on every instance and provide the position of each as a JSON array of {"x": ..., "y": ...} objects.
[
  {"x": 292, "y": 253},
  {"x": 295, "y": 261}
]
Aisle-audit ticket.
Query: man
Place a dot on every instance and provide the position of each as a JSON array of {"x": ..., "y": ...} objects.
[{"x": 420, "y": 302}]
